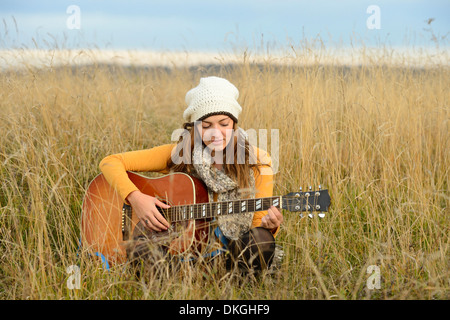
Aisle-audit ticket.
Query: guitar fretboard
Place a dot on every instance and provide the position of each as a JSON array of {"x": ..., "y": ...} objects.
[{"x": 215, "y": 209}]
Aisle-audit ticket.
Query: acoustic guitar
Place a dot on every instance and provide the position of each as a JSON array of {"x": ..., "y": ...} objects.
[{"x": 107, "y": 223}]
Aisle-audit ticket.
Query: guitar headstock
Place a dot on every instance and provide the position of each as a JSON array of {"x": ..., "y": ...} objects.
[{"x": 309, "y": 201}]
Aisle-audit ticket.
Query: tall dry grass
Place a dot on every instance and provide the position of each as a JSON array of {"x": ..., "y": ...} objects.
[{"x": 376, "y": 135}]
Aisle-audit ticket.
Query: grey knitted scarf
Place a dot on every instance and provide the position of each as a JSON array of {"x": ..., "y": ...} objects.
[{"x": 217, "y": 181}]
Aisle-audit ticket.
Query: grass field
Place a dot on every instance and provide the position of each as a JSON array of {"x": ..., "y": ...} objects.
[{"x": 376, "y": 135}]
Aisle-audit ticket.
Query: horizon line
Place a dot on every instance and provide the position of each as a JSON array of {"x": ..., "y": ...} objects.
[{"x": 407, "y": 56}]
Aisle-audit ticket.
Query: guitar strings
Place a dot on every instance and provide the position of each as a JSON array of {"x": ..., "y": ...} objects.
[{"x": 196, "y": 210}]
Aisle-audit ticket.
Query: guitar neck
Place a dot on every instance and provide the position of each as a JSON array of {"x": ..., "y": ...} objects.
[{"x": 216, "y": 209}]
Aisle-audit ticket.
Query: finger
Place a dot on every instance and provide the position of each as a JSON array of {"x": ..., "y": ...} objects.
[
  {"x": 155, "y": 224},
  {"x": 161, "y": 204},
  {"x": 149, "y": 225},
  {"x": 279, "y": 215},
  {"x": 267, "y": 222},
  {"x": 161, "y": 221},
  {"x": 271, "y": 216},
  {"x": 276, "y": 213}
]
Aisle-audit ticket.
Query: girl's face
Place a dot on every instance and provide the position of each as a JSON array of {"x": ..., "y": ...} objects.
[{"x": 216, "y": 131}]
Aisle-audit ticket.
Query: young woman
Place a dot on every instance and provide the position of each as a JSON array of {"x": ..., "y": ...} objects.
[{"x": 214, "y": 149}]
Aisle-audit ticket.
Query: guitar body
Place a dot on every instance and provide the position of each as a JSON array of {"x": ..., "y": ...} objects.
[{"x": 102, "y": 229}]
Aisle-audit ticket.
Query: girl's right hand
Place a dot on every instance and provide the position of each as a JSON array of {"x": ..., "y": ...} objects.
[{"x": 145, "y": 208}]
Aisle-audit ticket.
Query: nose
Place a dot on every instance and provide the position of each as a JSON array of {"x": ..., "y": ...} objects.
[
  {"x": 213, "y": 133},
  {"x": 216, "y": 134}
]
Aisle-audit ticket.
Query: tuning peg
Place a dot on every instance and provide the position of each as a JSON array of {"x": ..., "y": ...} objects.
[
  {"x": 321, "y": 215},
  {"x": 310, "y": 188},
  {"x": 301, "y": 215},
  {"x": 310, "y": 215},
  {"x": 300, "y": 189},
  {"x": 320, "y": 187}
]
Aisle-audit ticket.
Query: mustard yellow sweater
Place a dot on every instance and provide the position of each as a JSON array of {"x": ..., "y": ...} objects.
[{"x": 114, "y": 168}]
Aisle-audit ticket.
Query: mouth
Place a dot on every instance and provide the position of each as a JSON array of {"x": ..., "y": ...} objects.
[{"x": 217, "y": 142}]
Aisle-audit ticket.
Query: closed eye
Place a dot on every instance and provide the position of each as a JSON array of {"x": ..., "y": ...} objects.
[{"x": 222, "y": 124}]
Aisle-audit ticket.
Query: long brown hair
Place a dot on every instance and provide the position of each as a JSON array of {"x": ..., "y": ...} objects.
[{"x": 237, "y": 170}]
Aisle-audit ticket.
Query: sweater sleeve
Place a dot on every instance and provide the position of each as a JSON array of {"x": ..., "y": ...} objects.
[
  {"x": 115, "y": 167},
  {"x": 263, "y": 184}
]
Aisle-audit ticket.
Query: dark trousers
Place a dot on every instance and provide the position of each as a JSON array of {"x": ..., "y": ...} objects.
[{"x": 253, "y": 250}]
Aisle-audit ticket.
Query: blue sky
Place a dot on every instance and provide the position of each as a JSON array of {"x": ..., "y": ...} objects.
[{"x": 219, "y": 25}]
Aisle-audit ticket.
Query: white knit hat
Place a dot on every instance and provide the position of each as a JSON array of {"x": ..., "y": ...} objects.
[{"x": 212, "y": 96}]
